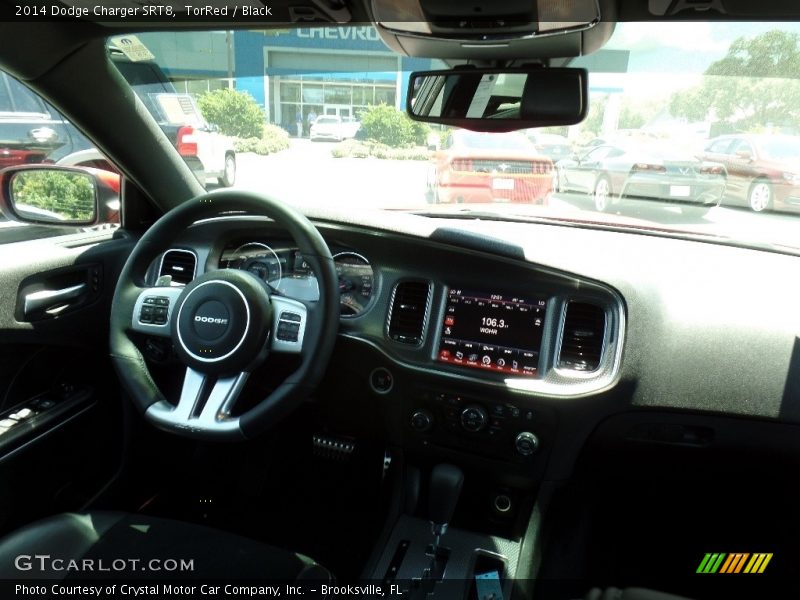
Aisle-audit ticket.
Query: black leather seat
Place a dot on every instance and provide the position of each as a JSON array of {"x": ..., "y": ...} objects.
[{"x": 103, "y": 537}]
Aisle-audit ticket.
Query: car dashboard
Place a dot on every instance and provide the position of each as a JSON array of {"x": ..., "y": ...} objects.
[{"x": 508, "y": 344}]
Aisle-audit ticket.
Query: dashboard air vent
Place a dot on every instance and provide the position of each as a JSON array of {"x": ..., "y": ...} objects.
[
  {"x": 180, "y": 265},
  {"x": 408, "y": 310},
  {"x": 582, "y": 338}
]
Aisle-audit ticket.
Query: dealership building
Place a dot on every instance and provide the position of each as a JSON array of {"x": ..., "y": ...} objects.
[
  {"x": 291, "y": 73},
  {"x": 307, "y": 71}
]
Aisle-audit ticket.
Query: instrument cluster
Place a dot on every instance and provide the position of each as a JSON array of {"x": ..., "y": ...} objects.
[{"x": 287, "y": 273}]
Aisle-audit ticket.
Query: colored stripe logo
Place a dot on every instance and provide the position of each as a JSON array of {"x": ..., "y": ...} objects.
[{"x": 737, "y": 562}]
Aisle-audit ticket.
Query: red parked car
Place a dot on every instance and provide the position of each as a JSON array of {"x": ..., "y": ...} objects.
[
  {"x": 763, "y": 170},
  {"x": 489, "y": 167}
]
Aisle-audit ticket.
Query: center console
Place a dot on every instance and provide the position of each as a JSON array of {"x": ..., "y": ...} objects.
[
  {"x": 427, "y": 559},
  {"x": 477, "y": 424}
]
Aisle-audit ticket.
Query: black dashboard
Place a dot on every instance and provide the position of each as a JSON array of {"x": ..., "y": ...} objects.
[{"x": 509, "y": 343}]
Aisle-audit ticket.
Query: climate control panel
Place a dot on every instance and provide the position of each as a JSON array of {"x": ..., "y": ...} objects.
[{"x": 489, "y": 427}]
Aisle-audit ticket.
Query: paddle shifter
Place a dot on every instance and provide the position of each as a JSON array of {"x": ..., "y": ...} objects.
[{"x": 446, "y": 483}]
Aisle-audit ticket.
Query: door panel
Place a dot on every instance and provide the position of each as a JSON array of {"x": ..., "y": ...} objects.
[
  {"x": 741, "y": 171},
  {"x": 60, "y": 405}
]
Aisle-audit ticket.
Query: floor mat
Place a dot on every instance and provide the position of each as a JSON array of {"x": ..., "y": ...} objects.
[{"x": 281, "y": 492}]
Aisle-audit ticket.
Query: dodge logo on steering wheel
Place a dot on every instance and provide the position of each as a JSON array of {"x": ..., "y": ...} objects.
[{"x": 199, "y": 319}]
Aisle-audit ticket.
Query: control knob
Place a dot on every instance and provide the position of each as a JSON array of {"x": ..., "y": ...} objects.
[
  {"x": 474, "y": 418},
  {"x": 526, "y": 443},
  {"x": 421, "y": 421}
]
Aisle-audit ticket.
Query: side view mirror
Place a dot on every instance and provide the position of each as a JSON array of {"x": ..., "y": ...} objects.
[
  {"x": 744, "y": 154},
  {"x": 58, "y": 195}
]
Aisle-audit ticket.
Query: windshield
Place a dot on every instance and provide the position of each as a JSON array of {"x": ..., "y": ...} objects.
[
  {"x": 781, "y": 148},
  {"x": 494, "y": 141},
  {"x": 699, "y": 138}
]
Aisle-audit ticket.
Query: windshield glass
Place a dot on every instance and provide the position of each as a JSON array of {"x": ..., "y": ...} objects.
[
  {"x": 494, "y": 141},
  {"x": 781, "y": 148},
  {"x": 701, "y": 139}
]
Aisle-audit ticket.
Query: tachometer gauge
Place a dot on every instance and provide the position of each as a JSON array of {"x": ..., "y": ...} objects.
[
  {"x": 259, "y": 259},
  {"x": 356, "y": 281}
]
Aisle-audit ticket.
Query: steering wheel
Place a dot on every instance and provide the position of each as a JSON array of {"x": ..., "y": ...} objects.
[{"x": 223, "y": 325}]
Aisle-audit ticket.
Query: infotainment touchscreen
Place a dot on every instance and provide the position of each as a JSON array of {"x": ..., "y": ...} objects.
[{"x": 495, "y": 332}]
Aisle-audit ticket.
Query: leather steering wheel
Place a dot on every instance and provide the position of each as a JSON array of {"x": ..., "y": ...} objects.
[{"x": 223, "y": 324}]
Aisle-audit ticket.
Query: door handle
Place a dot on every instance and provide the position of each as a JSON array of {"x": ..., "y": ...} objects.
[{"x": 50, "y": 299}]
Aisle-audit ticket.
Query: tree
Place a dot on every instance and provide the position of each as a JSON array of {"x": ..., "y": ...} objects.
[
  {"x": 593, "y": 122},
  {"x": 387, "y": 125},
  {"x": 60, "y": 195},
  {"x": 235, "y": 113},
  {"x": 753, "y": 86}
]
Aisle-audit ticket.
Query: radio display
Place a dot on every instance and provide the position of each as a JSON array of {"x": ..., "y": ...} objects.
[{"x": 494, "y": 332}]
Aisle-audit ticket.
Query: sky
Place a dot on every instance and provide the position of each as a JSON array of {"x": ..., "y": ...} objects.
[
  {"x": 683, "y": 47},
  {"x": 668, "y": 56}
]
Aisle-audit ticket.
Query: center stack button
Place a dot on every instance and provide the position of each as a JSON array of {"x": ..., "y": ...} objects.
[{"x": 474, "y": 418}]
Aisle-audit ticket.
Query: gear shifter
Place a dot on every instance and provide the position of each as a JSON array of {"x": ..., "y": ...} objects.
[
  {"x": 446, "y": 483},
  {"x": 445, "y": 488}
]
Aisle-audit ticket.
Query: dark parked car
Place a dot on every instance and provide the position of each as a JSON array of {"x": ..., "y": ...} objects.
[
  {"x": 763, "y": 170},
  {"x": 31, "y": 130},
  {"x": 615, "y": 173}
]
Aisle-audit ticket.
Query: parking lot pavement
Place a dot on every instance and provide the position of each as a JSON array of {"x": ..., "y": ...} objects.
[
  {"x": 740, "y": 224},
  {"x": 308, "y": 174}
]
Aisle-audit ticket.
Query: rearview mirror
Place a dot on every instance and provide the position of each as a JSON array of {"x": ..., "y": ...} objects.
[
  {"x": 499, "y": 100},
  {"x": 50, "y": 194}
]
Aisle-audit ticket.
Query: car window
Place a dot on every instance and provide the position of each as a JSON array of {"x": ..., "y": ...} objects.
[
  {"x": 720, "y": 146},
  {"x": 32, "y": 133},
  {"x": 742, "y": 146},
  {"x": 16, "y": 98},
  {"x": 598, "y": 153}
]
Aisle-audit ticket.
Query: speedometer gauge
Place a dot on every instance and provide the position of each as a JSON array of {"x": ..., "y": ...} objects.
[
  {"x": 356, "y": 281},
  {"x": 257, "y": 258}
]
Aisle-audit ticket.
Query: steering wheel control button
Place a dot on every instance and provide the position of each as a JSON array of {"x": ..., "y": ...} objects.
[
  {"x": 160, "y": 315},
  {"x": 289, "y": 327},
  {"x": 146, "y": 314},
  {"x": 154, "y": 310},
  {"x": 474, "y": 418},
  {"x": 526, "y": 443},
  {"x": 381, "y": 380}
]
